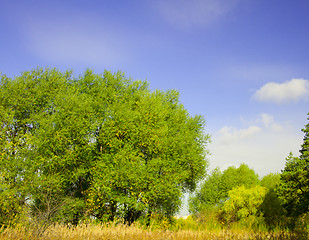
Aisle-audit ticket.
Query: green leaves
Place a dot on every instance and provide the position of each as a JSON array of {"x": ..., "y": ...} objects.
[
  {"x": 147, "y": 144},
  {"x": 214, "y": 190},
  {"x": 113, "y": 144},
  {"x": 293, "y": 190},
  {"x": 242, "y": 203}
]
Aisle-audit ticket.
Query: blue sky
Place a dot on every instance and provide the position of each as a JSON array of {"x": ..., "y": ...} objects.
[{"x": 242, "y": 64}]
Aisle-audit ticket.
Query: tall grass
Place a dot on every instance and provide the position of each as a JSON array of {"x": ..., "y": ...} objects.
[{"x": 133, "y": 232}]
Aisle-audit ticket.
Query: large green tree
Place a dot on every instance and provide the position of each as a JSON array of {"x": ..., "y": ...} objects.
[
  {"x": 107, "y": 145},
  {"x": 22, "y": 101},
  {"x": 150, "y": 151},
  {"x": 294, "y": 187}
]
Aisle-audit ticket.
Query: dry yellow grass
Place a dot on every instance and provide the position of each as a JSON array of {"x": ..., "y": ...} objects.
[{"x": 122, "y": 232}]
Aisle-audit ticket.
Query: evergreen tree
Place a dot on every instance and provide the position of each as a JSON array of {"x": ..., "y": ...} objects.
[{"x": 294, "y": 187}]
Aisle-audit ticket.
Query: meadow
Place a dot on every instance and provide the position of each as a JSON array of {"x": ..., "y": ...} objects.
[
  {"x": 135, "y": 232},
  {"x": 110, "y": 156}
]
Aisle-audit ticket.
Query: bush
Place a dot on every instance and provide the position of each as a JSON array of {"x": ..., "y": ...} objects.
[{"x": 243, "y": 205}]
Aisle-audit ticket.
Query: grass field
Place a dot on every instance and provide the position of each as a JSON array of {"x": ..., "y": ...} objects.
[{"x": 123, "y": 232}]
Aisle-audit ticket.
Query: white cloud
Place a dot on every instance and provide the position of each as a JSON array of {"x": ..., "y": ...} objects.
[
  {"x": 269, "y": 123},
  {"x": 188, "y": 13},
  {"x": 290, "y": 91},
  {"x": 231, "y": 134},
  {"x": 263, "y": 145}
]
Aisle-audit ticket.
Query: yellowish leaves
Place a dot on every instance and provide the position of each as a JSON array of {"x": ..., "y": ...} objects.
[{"x": 243, "y": 202}]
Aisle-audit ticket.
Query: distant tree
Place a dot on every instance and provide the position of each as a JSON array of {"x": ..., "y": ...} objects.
[
  {"x": 241, "y": 176},
  {"x": 271, "y": 180},
  {"x": 271, "y": 208},
  {"x": 210, "y": 193},
  {"x": 214, "y": 190}
]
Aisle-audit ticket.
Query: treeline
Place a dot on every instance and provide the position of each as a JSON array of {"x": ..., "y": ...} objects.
[
  {"x": 237, "y": 198},
  {"x": 96, "y": 146},
  {"x": 106, "y": 148},
  {"x": 237, "y": 195}
]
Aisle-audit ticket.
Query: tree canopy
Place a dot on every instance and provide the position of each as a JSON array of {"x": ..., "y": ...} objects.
[
  {"x": 109, "y": 144},
  {"x": 215, "y": 188},
  {"x": 243, "y": 203}
]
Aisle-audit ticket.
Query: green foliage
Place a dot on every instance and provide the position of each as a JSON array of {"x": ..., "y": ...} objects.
[
  {"x": 209, "y": 194},
  {"x": 104, "y": 144},
  {"x": 294, "y": 187},
  {"x": 302, "y": 224},
  {"x": 150, "y": 150},
  {"x": 10, "y": 208},
  {"x": 214, "y": 190},
  {"x": 271, "y": 208},
  {"x": 242, "y": 176},
  {"x": 243, "y": 204},
  {"x": 271, "y": 180}
]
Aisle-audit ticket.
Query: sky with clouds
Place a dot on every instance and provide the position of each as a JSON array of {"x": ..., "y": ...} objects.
[{"x": 242, "y": 64}]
